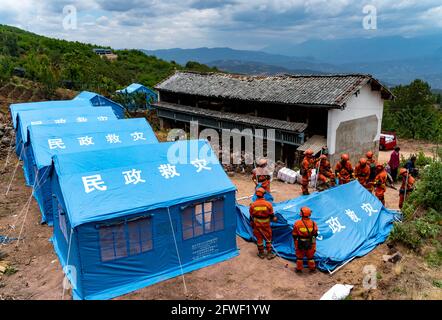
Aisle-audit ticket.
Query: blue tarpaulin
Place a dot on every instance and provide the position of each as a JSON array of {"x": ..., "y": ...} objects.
[
  {"x": 59, "y": 116},
  {"x": 133, "y": 216},
  {"x": 351, "y": 223},
  {"x": 71, "y": 138}
]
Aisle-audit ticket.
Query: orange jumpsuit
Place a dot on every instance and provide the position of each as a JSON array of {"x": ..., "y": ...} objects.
[
  {"x": 306, "y": 165},
  {"x": 363, "y": 175},
  {"x": 325, "y": 175},
  {"x": 380, "y": 184},
  {"x": 344, "y": 171},
  {"x": 305, "y": 229},
  {"x": 261, "y": 211},
  {"x": 371, "y": 162},
  {"x": 262, "y": 176},
  {"x": 406, "y": 185}
]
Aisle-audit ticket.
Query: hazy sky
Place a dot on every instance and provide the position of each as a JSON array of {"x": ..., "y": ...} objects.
[{"x": 241, "y": 24}]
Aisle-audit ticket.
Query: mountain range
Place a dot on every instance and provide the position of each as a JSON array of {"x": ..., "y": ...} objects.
[{"x": 393, "y": 60}]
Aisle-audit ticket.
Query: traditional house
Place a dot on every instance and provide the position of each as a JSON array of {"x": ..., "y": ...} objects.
[{"x": 343, "y": 112}]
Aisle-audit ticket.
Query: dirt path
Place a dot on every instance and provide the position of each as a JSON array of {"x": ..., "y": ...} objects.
[{"x": 39, "y": 276}]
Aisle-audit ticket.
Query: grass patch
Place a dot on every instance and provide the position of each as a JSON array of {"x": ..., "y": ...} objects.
[
  {"x": 10, "y": 270},
  {"x": 437, "y": 283},
  {"x": 434, "y": 258}
]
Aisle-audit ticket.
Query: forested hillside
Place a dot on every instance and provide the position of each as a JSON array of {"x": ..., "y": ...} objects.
[{"x": 58, "y": 63}]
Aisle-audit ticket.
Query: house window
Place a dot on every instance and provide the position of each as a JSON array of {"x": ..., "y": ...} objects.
[
  {"x": 202, "y": 218},
  {"x": 126, "y": 238}
]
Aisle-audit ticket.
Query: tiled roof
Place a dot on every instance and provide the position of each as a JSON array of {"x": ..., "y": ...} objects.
[
  {"x": 234, "y": 117},
  {"x": 315, "y": 90}
]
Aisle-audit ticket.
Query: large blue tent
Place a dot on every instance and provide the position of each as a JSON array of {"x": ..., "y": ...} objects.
[
  {"x": 59, "y": 116},
  {"x": 130, "y": 217},
  {"x": 97, "y": 100},
  {"x": 71, "y": 138},
  {"x": 45, "y": 106},
  {"x": 351, "y": 223},
  {"x": 83, "y": 99}
]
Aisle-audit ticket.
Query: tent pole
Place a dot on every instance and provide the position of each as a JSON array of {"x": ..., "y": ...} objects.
[{"x": 331, "y": 273}]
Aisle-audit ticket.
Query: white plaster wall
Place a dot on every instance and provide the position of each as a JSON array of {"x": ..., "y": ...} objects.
[{"x": 367, "y": 103}]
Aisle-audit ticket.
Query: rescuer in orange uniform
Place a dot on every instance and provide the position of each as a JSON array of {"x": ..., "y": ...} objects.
[
  {"x": 362, "y": 173},
  {"x": 304, "y": 234},
  {"x": 326, "y": 178},
  {"x": 307, "y": 164},
  {"x": 344, "y": 169},
  {"x": 406, "y": 187},
  {"x": 261, "y": 212},
  {"x": 380, "y": 183},
  {"x": 261, "y": 175},
  {"x": 371, "y": 162}
]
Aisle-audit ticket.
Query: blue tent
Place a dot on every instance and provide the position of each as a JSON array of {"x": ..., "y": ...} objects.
[
  {"x": 134, "y": 216},
  {"x": 83, "y": 99},
  {"x": 134, "y": 88},
  {"x": 97, "y": 100},
  {"x": 351, "y": 223},
  {"x": 56, "y": 116},
  {"x": 44, "y": 105},
  {"x": 75, "y": 137}
]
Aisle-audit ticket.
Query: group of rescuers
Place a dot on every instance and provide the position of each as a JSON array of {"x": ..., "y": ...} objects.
[{"x": 370, "y": 174}]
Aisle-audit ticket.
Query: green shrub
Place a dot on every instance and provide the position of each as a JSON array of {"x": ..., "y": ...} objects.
[
  {"x": 422, "y": 211},
  {"x": 422, "y": 160},
  {"x": 434, "y": 258}
]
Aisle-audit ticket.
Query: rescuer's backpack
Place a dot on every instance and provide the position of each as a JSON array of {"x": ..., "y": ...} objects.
[{"x": 306, "y": 243}]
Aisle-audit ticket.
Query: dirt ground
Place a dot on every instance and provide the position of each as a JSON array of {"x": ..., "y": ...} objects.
[{"x": 35, "y": 272}]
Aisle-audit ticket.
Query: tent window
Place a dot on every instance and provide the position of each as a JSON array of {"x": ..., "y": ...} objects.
[
  {"x": 140, "y": 235},
  {"x": 62, "y": 222},
  {"x": 113, "y": 242},
  {"x": 126, "y": 239},
  {"x": 203, "y": 218}
]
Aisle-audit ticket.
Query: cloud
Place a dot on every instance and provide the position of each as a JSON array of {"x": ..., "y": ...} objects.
[{"x": 245, "y": 24}]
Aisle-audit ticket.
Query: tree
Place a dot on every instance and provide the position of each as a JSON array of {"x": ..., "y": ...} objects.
[{"x": 413, "y": 113}]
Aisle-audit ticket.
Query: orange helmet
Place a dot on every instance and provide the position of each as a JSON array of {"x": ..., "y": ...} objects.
[
  {"x": 369, "y": 154},
  {"x": 345, "y": 157},
  {"x": 403, "y": 171},
  {"x": 323, "y": 157},
  {"x": 306, "y": 212},
  {"x": 379, "y": 166},
  {"x": 260, "y": 192},
  {"x": 363, "y": 161},
  {"x": 308, "y": 152}
]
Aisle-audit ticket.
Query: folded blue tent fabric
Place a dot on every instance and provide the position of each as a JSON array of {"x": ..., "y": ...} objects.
[
  {"x": 129, "y": 217},
  {"x": 59, "y": 116},
  {"x": 75, "y": 137},
  {"x": 351, "y": 223}
]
